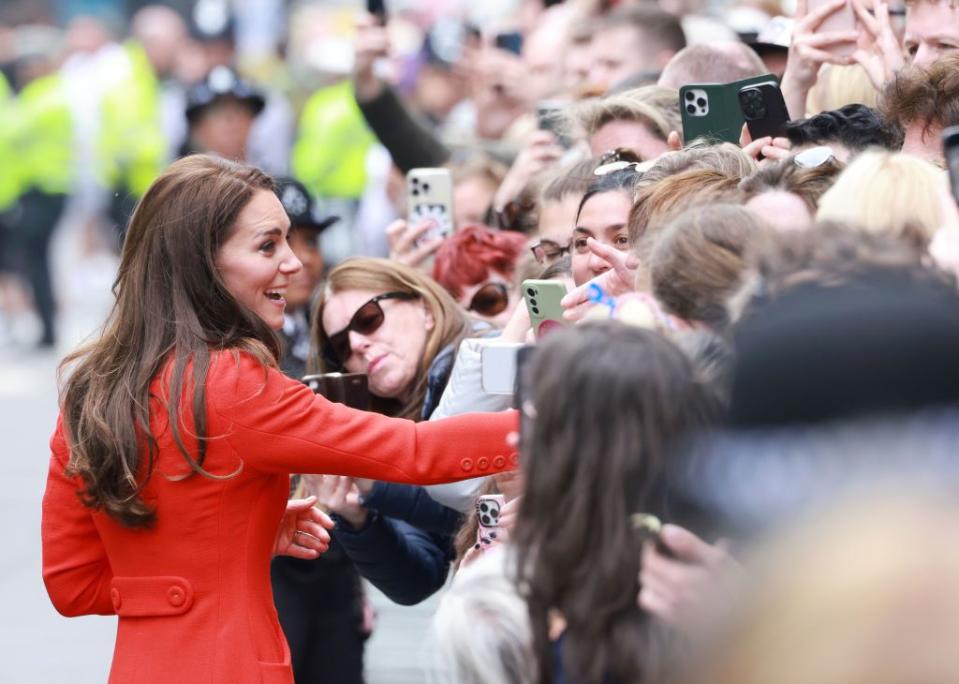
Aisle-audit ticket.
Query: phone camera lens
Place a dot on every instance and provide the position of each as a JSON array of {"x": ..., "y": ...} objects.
[
  {"x": 691, "y": 108},
  {"x": 701, "y": 102},
  {"x": 690, "y": 96},
  {"x": 416, "y": 181},
  {"x": 531, "y": 292},
  {"x": 416, "y": 192},
  {"x": 535, "y": 311},
  {"x": 426, "y": 187},
  {"x": 533, "y": 302}
]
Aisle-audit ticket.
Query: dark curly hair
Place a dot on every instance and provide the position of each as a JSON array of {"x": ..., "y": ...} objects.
[{"x": 854, "y": 126}]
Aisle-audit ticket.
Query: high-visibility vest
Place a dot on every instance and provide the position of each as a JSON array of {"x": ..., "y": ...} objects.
[
  {"x": 329, "y": 156},
  {"x": 43, "y": 136},
  {"x": 10, "y": 170},
  {"x": 132, "y": 147}
]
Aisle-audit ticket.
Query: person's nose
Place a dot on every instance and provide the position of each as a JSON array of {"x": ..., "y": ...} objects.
[
  {"x": 597, "y": 264},
  {"x": 925, "y": 55},
  {"x": 290, "y": 264}
]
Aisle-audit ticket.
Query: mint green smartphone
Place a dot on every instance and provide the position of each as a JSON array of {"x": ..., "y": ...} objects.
[
  {"x": 712, "y": 110},
  {"x": 543, "y": 299}
]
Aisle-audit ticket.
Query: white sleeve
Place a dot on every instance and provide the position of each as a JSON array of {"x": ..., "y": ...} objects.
[{"x": 464, "y": 394}]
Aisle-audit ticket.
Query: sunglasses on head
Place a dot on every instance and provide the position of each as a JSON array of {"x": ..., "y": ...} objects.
[
  {"x": 366, "y": 321},
  {"x": 490, "y": 300}
]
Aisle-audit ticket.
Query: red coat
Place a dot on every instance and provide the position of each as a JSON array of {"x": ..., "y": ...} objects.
[{"x": 193, "y": 592}]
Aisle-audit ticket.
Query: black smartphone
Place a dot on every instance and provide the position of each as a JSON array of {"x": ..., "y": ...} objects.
[
  {"x": 350, "y": 389},
  {"x": 511, "y": 42},
  {"x": 377, "y": 8},
  {"x": 950, "y": 150},
  {"x": 764, "y": 110}
]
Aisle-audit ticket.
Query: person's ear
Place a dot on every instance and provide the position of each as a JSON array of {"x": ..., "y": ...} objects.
[
  {"x": 430, "y": 320},
  {"x": 674, "y": 141}
]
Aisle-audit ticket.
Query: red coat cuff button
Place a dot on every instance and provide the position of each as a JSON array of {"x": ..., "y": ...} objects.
[
  {"x": 499, "y": 462},
  {"x": 175, "y": 596},
  {"x": 483, "y": 463},
  {"x": 467, "y": 464}
]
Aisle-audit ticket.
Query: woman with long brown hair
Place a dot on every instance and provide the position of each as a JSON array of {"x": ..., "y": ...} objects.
[
  {"x": 577, "y": 548},
  {"x": 170, "y": 467}
]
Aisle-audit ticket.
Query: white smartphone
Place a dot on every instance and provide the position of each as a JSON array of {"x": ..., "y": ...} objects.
[
  {"x": 498, "y": 367},
  {"x": 429, "y": 196}
]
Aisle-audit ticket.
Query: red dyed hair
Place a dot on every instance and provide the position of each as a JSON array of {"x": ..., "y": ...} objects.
[{"x": 468, "y": 256}]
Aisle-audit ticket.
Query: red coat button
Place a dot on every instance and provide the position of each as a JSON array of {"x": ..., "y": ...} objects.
[
  {"x": 115, "y": 598},
  {"x": 467, "y": 464},
  {"x": 514, "y": 459},
  {"x": 499, "y": 462},
  {"x": 483, "y": 463},
  {"x": 175, "y": 596}
]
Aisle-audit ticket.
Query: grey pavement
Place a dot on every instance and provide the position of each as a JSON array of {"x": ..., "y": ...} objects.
[{"x": 39, "y": 645}]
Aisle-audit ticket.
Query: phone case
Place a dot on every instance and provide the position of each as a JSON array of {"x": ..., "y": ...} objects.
[
  {"x": 840, "y": 21},
  {"x": 488, "y": 509},
  {"x": 712, "y": 110},
  {"x": 950, "y": 150},
  {"x": 350, "y": 389},
  {"x": 764, "y": 109},
  {"x": 542, "y": 299},
  {"x": 429, "y": 195}
]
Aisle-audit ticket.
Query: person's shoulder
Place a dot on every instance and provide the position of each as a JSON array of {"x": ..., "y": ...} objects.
[{"x": 230, "y": 367}]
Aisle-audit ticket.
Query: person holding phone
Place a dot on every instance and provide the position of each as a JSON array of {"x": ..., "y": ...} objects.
[
  {"x": 169, "y": 475},
  {"x": 396, "y": 325}
]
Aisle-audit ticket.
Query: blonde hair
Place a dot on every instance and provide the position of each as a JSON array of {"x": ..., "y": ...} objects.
[
  {"x": 886, "y": 192},
  {"x": 451, "y": 323},
  {"x": 865, "y": 593},
  {"x": 838, "y": 86},
  {"x": 654, "y": 106}
]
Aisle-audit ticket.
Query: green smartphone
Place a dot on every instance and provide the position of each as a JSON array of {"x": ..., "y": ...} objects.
[
  {"x": 712, "y": 110},
  {"x": 543, "y": 299}
]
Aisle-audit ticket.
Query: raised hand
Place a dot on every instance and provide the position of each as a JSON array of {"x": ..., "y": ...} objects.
[{"x": 303, "y": 530}]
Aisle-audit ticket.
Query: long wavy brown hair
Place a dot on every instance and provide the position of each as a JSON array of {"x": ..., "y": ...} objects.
[
  {"x": 171, "y": 307},
  {"x": 609, "y": 401},
  {"x": 452, "y": 324}
]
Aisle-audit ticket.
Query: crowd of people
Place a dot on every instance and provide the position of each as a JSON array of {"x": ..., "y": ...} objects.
[{"x": 716, "y": 463}]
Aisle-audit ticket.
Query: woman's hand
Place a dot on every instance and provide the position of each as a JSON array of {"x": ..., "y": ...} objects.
[
  {"x": 675, "y": 586},
  {"x": 768, "y": 147},
  {"x": 880, "y": 52},
  {"x": 303, "y": 530},
  {"x": 518, "y": 326},
  {"x": 619, "y": 279},
  {"x": 406, "y": 245},
  {"x": 340, "y": 495},
  {"x": 809, "y": 50}
]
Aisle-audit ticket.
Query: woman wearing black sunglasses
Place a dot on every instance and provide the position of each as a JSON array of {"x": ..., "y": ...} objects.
[{"x": 395, "y": 324}]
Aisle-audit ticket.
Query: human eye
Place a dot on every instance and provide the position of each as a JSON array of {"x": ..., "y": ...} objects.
[
  {"x": 268, "y": 247},
  {"x": 579, "y": 244},
  {"x": 621, "y": 242},
  {"x": 912, "y": 48}
]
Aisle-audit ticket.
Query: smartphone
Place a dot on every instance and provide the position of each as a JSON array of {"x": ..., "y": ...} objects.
[
  {"x": 764, "y": 109},
  {"x": 712, "y": 110},
  {"x": 542, "y": 299},
  {"x": 511, "y": 42},
  {"x": 498, "y": 367},
  {"x": 350, "y": 389},
  {"x": 950, "y": 149},
  {"x": 488, "y": 508},
  {"x": 429, "y": 196},
  {"x": 549, "y": 117},
  {"x": 378, "y": 9},
  {"x": 842, "y": 20}
]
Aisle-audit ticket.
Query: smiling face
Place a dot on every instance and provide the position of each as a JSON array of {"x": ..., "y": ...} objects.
[
  {"x": 604, "y": 218},
  {"x": 256, "y": 262},
  {"x": 389, "y": 355}
]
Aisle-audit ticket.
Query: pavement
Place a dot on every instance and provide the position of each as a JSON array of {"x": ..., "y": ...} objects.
[{"x": 39, "y": 645}]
